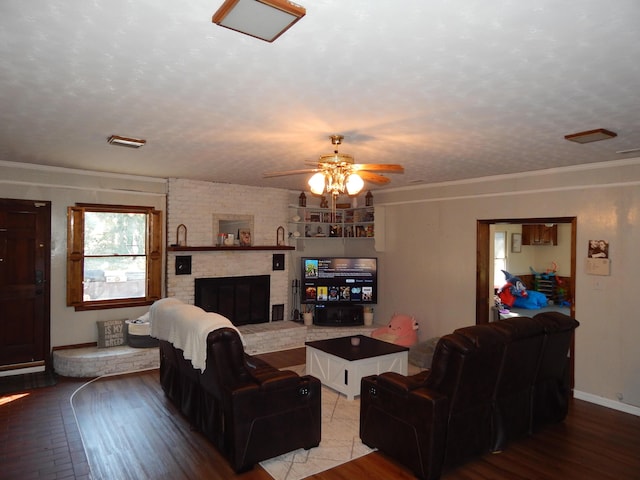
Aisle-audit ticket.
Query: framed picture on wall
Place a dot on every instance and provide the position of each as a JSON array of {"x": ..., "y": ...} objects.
[
  {"x": 516, "y": 242},
  {"x": 598, "y": 249},
  {"x": 244, "y": 237}
]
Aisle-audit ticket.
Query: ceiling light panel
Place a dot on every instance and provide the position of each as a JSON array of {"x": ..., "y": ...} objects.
[{"x": 263, "y": 19}]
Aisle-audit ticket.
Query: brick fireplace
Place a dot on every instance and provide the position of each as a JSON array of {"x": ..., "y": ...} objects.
[{"x": 196, "y": 205}]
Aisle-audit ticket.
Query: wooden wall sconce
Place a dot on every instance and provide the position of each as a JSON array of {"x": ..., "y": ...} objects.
[
  {"x": 181, "y": 235},
  {"x": 280, "y": 236}
]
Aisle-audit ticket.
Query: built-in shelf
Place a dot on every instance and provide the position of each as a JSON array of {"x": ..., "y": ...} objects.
[
  {"x": 234, "y": 248},
  {"x": 324, "y": 223}
]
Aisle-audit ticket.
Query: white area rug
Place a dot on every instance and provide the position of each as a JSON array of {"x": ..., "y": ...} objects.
[{"x": 340, "y": 441}]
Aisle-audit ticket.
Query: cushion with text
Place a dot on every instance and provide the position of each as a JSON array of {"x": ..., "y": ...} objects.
[{"x": 111, "y": 333}]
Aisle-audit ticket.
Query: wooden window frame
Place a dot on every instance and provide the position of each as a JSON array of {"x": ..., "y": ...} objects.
[{"x": 75, "y": 257}]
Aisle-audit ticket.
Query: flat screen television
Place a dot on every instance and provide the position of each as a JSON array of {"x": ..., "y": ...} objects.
[{"x": 339, "y": 280}]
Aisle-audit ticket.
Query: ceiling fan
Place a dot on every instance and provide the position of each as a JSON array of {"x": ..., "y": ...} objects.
[{"x": 337, "y": 173}]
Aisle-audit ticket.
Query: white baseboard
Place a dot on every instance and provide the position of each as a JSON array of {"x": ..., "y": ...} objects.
[
  {"x": 607, "y": 402},
  {"x": 20, "y": 371}
]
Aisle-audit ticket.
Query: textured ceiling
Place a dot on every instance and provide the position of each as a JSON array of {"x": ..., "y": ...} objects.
[{"x": 450, "y": 89}]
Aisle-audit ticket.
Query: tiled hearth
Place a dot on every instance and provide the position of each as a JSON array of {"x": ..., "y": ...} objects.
[
  {"x": 259, "y": 338},
  {"x": 262, "y": 337},
  {"x": 94, "y": 362}
]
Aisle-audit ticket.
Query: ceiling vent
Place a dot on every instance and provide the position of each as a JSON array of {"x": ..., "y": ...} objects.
[
  {"x": 126, "y": 141},
  {"x": 591, "y": 136},
  {"x": 629, "y": 150}
]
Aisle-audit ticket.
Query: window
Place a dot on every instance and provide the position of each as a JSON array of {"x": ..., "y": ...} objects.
[
  {"x": 114, "y": 256},
  {"x": 499, "y": 258}
]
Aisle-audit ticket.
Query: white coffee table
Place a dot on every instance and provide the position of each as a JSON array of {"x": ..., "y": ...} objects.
[{"x": 341, "y": 366}]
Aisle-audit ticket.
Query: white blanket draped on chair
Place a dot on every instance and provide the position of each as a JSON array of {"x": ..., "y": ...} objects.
[{"x": 186, "y": 327}]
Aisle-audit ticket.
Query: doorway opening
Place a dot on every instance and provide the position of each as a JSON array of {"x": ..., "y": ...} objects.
[
  {"x": 486, "y": 261},
  {"x": 485, "y": 266}
]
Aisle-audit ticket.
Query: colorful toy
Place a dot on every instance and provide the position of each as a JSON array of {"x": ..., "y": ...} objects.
[
  {"x": 549, "y": 272},
  {"x": 516, "y": 285},
  {"x": 402, "y": 330},
  {"x": 511, "y": 290}
]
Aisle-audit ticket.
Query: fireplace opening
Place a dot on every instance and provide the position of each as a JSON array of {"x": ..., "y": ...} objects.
[{"x": 243, "y": 300}]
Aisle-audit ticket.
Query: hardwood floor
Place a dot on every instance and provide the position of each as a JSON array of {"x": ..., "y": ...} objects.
[{"x": 39, "y": 439}]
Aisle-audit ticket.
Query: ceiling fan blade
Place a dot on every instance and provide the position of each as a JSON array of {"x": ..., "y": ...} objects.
[
  {"x": 373, "y": 177},
  {"x": 289, "y": 172},
  {"x": 379, "y": 167}
]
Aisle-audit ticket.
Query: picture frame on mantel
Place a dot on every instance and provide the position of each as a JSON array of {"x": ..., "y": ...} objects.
[
  {"x": 244, "y": 237},
  {"x": 516, "y": 242}
]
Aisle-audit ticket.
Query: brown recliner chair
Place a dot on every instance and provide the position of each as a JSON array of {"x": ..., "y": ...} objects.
[
  {"x": 471, "y": 394},
  {"x": 488, "y": 385},
  {"x": 440, "y": 417},
  {"x": 180, "y": 381},
  {"x": 248, "y": 409},
  {"x": 552, "y": 388},
  {"x": 169, "y": 372},
  {"x": 512, "y": 415}
]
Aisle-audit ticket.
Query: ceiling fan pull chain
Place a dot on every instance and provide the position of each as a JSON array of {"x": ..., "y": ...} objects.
[{"x": 334, "y": 196}]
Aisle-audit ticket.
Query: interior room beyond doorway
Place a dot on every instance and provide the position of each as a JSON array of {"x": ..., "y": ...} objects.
[
  {"x": 538, "y": 257},
  {"x": 532, "y": 261}
]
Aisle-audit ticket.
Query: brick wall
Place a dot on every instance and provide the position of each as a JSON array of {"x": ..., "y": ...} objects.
[{"x": 195, "y": 203}]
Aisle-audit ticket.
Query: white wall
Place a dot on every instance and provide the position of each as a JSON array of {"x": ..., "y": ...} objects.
[
  {"x": 430, "y": 258},
  {"x": 63, "y": 188}
]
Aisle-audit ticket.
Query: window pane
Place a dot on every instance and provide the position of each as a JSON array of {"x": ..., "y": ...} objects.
[
  {"x": 108, "y": 233},
  {"x": 108, "y": 278},
  {"x": 500, "y": 244},
  {"x": 499, "y": 264},
  {"x": 499, "y": 260}
]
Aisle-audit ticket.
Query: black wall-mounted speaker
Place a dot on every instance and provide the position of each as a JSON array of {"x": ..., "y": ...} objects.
[
  {"x": 278, "y": 261},
  {"x": 183, "y": 265}
]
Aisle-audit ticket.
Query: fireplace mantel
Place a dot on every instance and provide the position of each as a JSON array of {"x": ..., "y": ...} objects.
[{"x": 227, "y": 249}]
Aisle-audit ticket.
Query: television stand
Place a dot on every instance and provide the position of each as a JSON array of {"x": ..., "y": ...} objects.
[{"x": 338, "y": 315}]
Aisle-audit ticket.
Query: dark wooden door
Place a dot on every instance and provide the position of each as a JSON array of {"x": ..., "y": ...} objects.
[{"x": 25, "y": 259}]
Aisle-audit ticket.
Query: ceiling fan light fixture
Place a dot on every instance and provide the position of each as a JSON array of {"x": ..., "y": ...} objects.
[
  {"x": 316, "y": 183},
  {"x": 336, "y": 157},
  {"x": 263, "y": 19},
  {"x": 337, "y": 173},
  {"x": 354, "y": 184},
  {"x": 591, "y": 136},
  {"x": 126, "y": 141}
]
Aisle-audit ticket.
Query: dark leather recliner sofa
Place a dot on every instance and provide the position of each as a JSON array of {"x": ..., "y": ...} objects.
[
  {"x": 488, "y": 386},
  {"x": 248, "y": 409}
]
